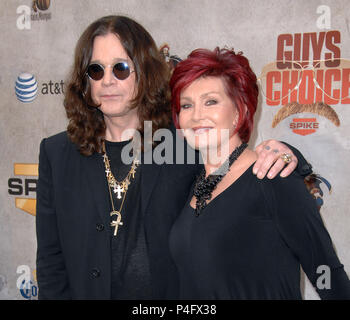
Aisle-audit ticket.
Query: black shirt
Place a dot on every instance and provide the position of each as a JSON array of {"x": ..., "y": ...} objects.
[
  {"x": 130, "y": 261},
  {"x": 249, "y": 242}
]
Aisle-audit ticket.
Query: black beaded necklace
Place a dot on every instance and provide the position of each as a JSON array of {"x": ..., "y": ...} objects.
[{"x": 205, "y": 186}]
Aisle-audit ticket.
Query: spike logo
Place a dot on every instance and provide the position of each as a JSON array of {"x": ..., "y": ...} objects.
[
  {"x": 305, "y": 126},
  {"x": 24, "y": 186}
]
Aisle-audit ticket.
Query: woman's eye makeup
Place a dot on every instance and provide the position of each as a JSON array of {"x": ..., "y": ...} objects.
[
  {"x": 185, "y": 106},
  {"x": 208, "y": 102},
  {"x": 211, "y": 102}
]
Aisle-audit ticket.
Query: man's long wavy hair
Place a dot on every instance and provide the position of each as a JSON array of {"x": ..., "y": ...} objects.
[{"x": 86, "y": 127}]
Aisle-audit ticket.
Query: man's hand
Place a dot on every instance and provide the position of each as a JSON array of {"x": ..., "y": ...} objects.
[{"x": 270, "y": 153}]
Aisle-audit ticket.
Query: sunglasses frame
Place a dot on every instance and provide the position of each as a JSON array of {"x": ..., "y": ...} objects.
[{"x": 124, "y": 63}]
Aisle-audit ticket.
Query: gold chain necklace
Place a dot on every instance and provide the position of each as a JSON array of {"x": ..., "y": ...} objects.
[{"x": 118, "y": 187}]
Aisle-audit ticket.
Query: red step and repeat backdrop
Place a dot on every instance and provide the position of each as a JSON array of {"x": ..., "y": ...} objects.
[{"x": 300, "y": 51}]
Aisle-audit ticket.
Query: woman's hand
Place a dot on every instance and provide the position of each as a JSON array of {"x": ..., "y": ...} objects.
[{"x": 270, "y": 159}]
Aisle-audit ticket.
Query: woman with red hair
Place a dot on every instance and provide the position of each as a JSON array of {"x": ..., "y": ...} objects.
[{"x": 239, "y": 237}]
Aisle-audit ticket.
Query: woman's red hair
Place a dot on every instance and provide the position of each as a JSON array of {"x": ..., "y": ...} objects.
[{"x": 239, "y": 79}]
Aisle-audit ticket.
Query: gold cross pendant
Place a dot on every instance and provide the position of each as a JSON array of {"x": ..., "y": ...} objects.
[
  {"x": 117, "y": 188},
  {"x": 116, "y": 223},
  {"x": 133, "y": 171}
]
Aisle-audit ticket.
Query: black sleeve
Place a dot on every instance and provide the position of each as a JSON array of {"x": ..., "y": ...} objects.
[
  {"x": 51, "y": 271},
  {"x": 301, "y": 227},
  {"x": 304, "y": 168}
]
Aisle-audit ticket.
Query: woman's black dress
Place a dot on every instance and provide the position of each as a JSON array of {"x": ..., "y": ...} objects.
[{"x": 250, "y": 241}]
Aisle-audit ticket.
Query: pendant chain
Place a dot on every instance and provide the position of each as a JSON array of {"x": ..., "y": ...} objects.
[{"x": 119, "y": 187}]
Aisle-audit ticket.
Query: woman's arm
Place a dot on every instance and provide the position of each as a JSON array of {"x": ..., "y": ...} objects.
[
  {"x": 301, "y": 227},
  {"x": 51, "y": 271}
]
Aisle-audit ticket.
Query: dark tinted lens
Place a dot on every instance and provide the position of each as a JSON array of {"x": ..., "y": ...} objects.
[
  {"x": 95, "y": 72},
  {"x": 121, "y": 70}
]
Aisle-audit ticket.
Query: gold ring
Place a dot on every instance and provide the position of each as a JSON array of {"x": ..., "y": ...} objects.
[{"x": 286, "y": 157}]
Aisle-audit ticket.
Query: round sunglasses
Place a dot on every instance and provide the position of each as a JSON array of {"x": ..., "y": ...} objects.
[{"x": 121, "y": 71}]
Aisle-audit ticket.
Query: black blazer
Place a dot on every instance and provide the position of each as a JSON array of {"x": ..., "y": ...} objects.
[{"x": 72, "y": 220}]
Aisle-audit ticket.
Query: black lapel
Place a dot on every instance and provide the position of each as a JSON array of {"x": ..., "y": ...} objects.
[
  {"x": 149, "y": 177},
  {"x": 95, "y": 172}
]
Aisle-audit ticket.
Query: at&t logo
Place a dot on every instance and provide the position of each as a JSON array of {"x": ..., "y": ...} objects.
[{"x": 26, "y": 87}]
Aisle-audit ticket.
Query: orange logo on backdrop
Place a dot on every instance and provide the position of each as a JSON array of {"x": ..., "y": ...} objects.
[
  {"x": 304, "y": 126},
  {"x": 308, "y": 72},
  {"x": 301, "y": 74},
  {"x": 23, "y": 169}
]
